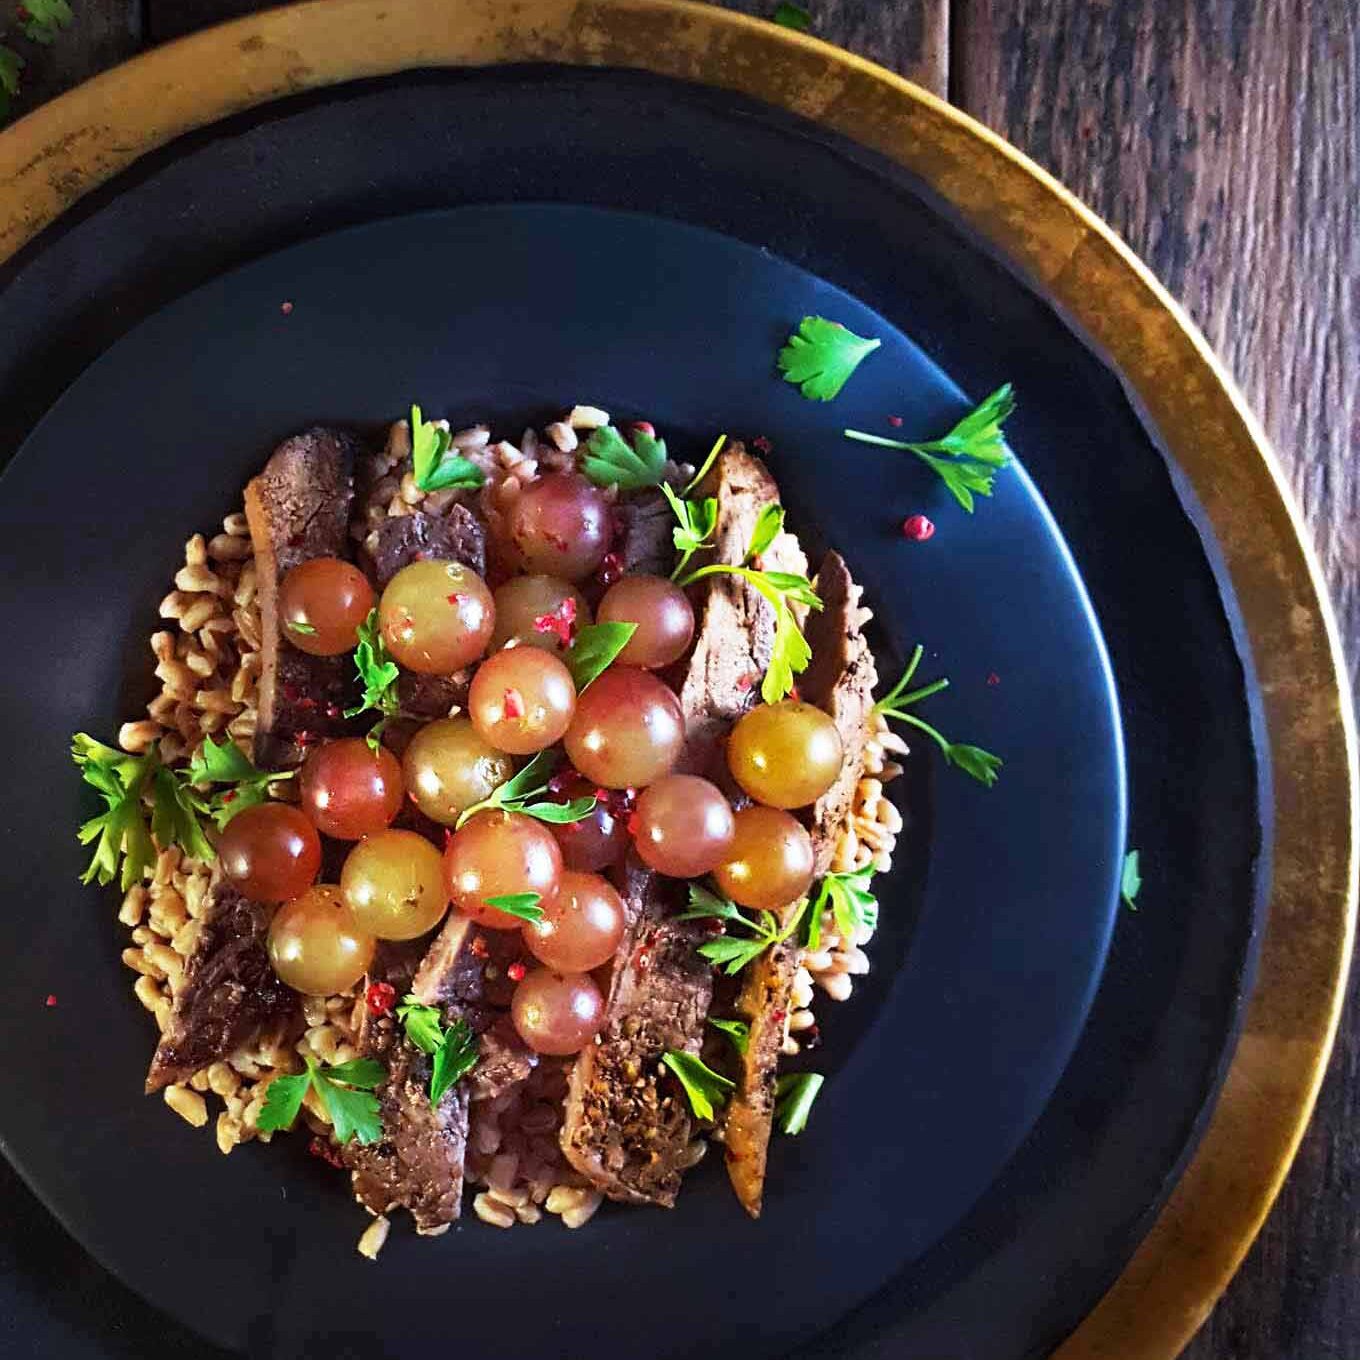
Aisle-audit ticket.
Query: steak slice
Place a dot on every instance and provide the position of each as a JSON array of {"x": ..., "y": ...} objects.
[
  {"x": 626, "y": 1128},
  {"x": 840, "y": 679},
  {"x": 455, "y": 535},
  {"x": 229, "y": 991},
  {"x": 645, "y": 533},
  {"x": 298, "y": 509}
]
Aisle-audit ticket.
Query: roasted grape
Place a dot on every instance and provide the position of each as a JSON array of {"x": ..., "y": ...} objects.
[
  {"x": 350, "y": 790},
  {"x": 581, "y": 926},
  {"x": 557, "y": 1013},
  {"x": 662, "y": 612},
  {"x": 785, "y": 755},
  {"x": 436, "y": 617},
  {"x": 683, "y": 826},
  {"x": 559, "y": 525},
  {"x": 769, "y": 863},
  {"x": 315, "y": 946},
  {"x": 501, "y": 854},
  {"x": 270, "y": 852},
  {"x": 322, "y": 602},
  {"x": 521, "y": 700},
  {"x": 628, "y": 729},
  {"x": 393, "y": 884},
  {"x": 449, "y": 767},
  {"x": 525, "y": 601}
]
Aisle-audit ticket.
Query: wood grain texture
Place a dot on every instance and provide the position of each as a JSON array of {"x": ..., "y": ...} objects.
[{"x": 1222, "y": 139}]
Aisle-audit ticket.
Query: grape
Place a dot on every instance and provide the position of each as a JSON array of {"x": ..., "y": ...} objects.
[
  {"x": 770, "y": 861},
  {"x": 521, "y": 700},
  {"x": 270, "y": 852},
  {"x": 448, "y": 768},
  {"x": 327, "y": 600},
  {"x": 350, "y": 790},
  {"x": 314, "y": 944},
  {"x": 581, "y": 926},
  {"x": 497, "y": 854},
  {"x": 785, "y": 755},
  {"x": 393, "y": 884},
  {"x": 662, "y": 612},
  {"x": 436, "y": 617},
  {"x": 628, "y": 729},
  {"x": 683, "y": 826},
  {"x": 560, "y": 525},
  {"x": 522, "y": 600},
  {"x": 599, "y": 839},
  {"x": 557, "y": 1013}
]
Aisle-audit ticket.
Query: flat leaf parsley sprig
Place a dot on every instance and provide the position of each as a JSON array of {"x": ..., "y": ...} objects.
[
  {"x": 454, "y": 1047},
  {"x": 728, "y": 951},
  {"x": 612, "y": 460},
  {"x": 378, "y": 674},
  {"x": 821, "y": 355},
  {"x": 968, "y": 458},
  {"x": 705, "y": 1089},
  {"x": 520, "y": 793},
  {"x": 345, "y": 1090},
  {"x": 853, "y": 906},
  {"x": 973, "y": 760},
  {"x": 435, "y": 464}
]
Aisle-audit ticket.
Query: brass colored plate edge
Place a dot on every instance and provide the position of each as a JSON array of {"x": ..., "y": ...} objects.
[{"x": 50, "y": 158}]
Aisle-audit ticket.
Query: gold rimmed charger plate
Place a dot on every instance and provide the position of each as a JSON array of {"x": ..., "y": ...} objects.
[{"x": 55, "y": 155}]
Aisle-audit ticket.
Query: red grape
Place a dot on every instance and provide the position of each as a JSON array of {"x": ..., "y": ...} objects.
[
  {"x": 350, "y": 790},
  {"x": 270, "y": 852},
  {"x": 436, "y": 617},
  {"x": 322, "y": 602},
  {"x": 314, "y": 944},
  {"x": 683, "y": 826},
  {"x": 598, "y": 840},
  {"x": 523, "y": 600},
  {"x": 560, "y": 525},
  {"x": 662, "y": 612},
  {"x": 785, "y": 755},
  {"x": 581, "y": 926},
  {"x": 497, "y": 854},
  {"x": 521, "y": 700},
  {"x": 449, "y": 767},
  {"x": 557, "y": 1013},
  {"x": 628, "y": 729},
  {"x": 770, "y": 862},
  {"x": 393, "y": 884}
]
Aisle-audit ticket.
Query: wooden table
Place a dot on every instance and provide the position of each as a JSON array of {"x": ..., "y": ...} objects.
[{"x": 1222, "y": 139}]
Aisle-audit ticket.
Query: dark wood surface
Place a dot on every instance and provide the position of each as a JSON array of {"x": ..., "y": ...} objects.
[{"x": 1222, "y": 139}]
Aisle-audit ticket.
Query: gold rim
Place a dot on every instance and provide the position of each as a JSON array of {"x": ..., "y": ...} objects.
[{"x": 62, "y": 150}]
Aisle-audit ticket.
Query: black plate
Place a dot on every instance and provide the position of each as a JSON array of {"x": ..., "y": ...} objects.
[{"x": 907, "y": 1192}]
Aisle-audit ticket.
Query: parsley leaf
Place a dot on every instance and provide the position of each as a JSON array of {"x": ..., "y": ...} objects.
[
  {"x": 524, "y": 905},
  {"x": 594, "y": 649},
  {"x": 378, "y": 674},
  {"x": 768, "y": 524},
  {"x": 424, "y": 1027},
  {"x": 11, "y": 63},
  {"x": 821, "y": 356},
  {"x": 709, "y": 460},
  {"x": 852, "y": 905},
  {"x": 794, "y": 1094},
  {"x": 175, "y": 810},
  {"x": 733, "y": 952},
  {"x": 515, "y": 794},
  {"x": 228, "y": 764},
  {"x": 737, "y": 1030},
  {"x": 300, "y": 627},
  {"x": 792, "y": 16},
  {"x": 611, "y": 461},
  {"x": 697, "y": 520},
  {"x": 44, "y": 19},
  {"x": 969, "y": 456},
  {"x": 345, "y": 1091},
  {"x": 434, "y": 463},
  {"x": 454, "y": 1048},
  {"x": 704, "y": 1087},
  {"x": 972, "y": 760},
  {"x": 1130, "y": 881}
]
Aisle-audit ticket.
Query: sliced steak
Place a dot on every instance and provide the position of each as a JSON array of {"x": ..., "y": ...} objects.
[
  {"x": 229, "y": 992},
  {"x": 455, "y": 535},
  {"x": 627, "y": 1127},
  {"x": 840, "y": 679},
  {"x": 298, "y": 509},
  {"x": 645, "y": 539}
]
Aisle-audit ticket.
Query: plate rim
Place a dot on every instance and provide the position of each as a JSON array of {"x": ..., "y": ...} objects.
[{"x": 53, "y": 156}]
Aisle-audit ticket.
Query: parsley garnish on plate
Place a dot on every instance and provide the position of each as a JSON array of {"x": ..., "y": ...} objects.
[
  {"x": 611, "y": 460},
  {"x": 708, "y": 462},
  {"x": 697, "y": 520},
  {"x": 379, "y": 674},
  {"x": 973, "y": 760},
  {"x": 769, "y": 523},
  {"x": 453, "y": 1047},
  {"x": 523, "y": 905},
  {"x": 594, "y": 649},
  {"x": 704, "y": 1088},
  {"x": 435, "y": 464},
  {"x": 852, "y": 905},
  {"x": 228, "y": 764},
  {"x": 970, "y": 455},
  {"x": 737, "y": 1030},
  {"x": 519, "y": 791},
  {"x": 733, "y": 952},
  {"x": 345, "y": 1091},
  {"x": 821, "y": 355},
  {"x": 794, "y": 1094},
  {"x": 1130, "y": 881}
]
